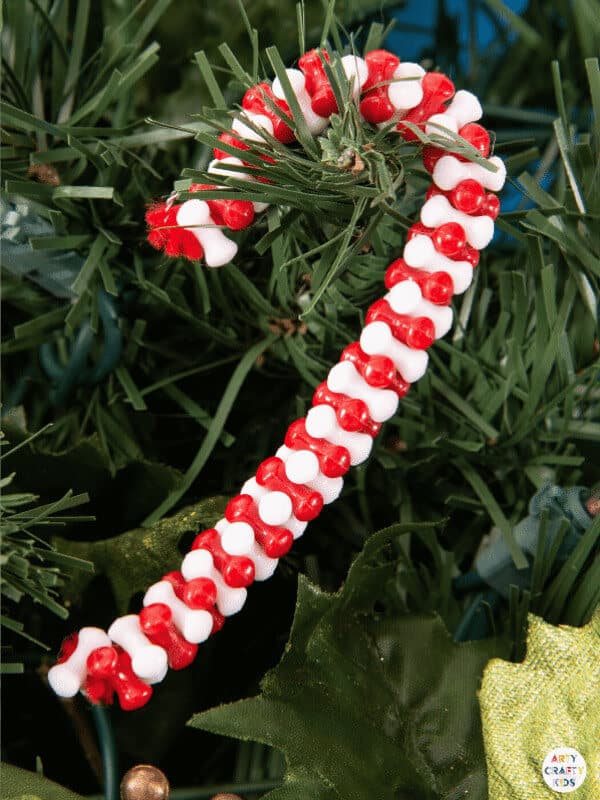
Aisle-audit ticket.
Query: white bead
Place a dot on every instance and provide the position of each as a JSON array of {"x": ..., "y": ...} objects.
[
  {"x": 441, "y": 316},
  {"x": 148, "y": 661},
  {"x": 378, "y": 339},
  {"x": 465, "y": 108},
  {"x": 421, "y": 253},
  {"x": 345, "y": 379},
  {"x": 438, "y": 210},
  {"x": 449, "y": 172},
  {"x": 356, "y": 71},
  {"x": 67, "y": 678},
  {"x": 302, "y": 466},
  {"x": 314, "y": 122},
  {"x": 404, "y": 297},
  {"x": 199, "y": 564},
  {"x": 237, "y": 539},
  {"x": 406, "y": 91},
  {"x": 195, "y": 625},
  {"x": 439, "y": 124},
  {"x": 321, "y": 422},
  {"x": 194, "y": 215},
  {"x": 329, "y": 488},
  {"x": 409, "y": 69},
  {"x": 218, "y": 166},
  {"x": 246, "y": 132},
  {"x": 255, "y": 490},
  {"x": 275, "y": 508}
]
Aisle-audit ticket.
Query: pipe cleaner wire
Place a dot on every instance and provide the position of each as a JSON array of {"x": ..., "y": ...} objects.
[{"x": 361, "y": 391}]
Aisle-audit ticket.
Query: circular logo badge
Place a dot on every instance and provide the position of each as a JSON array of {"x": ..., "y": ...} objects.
[{"x": 564, "y": 769}]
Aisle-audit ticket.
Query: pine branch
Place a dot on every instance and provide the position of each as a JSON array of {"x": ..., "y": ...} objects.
[{"x": 31, "y": 567}]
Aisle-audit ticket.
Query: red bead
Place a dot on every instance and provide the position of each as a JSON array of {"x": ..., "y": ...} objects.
[
  {"x": 467, "y": 196},
  {"x": 323, "y": 101},
  {"x": 437, "y": 287},
  {"x": 177, "y": 581},
  {"x": 218, "y": 620},
  {"x": 477, "y": 136},
  {"x": 155, "y": 217},
  {"x": 232, "y": 140},
  {"x": 68, "y": 647},
  {"x": 418, "y": 229},
  {"x": 312, "y": 67},
  {"x": 235, "y": 214},
  {"x": 156, "y": 621},
  {"x": 182, "y": 242},
  {"x": 98, "y": 686},
  {"x": 375, "y": 105},
  {"x": 275, "y": 541},
  {"x": 334, "y": 460},
  {"x": 98, "y": 691},
  {"x": 437, "y": 89},
  {"x": 491, "y": 205},
  {"x": 109, "y": 669},
  {"x": 133, "y": 693},
  {"x": 449, "y": 239},
  {"x": 378, "y": 371},
  {"x": 199, "y": 593},
  {"x": 102, "y": 662},
  {"x": 164, "y": 233},
  {"x": 431, "y": 155},
  {"x": 255, "y": 100},
  {"x": 317, "y": 83},
  {"x": 352, "y": 414},
  {"x": 469, "y": 254},
  {"x": 415, "y": 332},
  {"x": 237, "y": 571},
  {"x": 306, "y": 503},
  {"x": 381, "y": 65},
  {"x": 376, "y": 108},
  {"x": 465, "y": 253}
]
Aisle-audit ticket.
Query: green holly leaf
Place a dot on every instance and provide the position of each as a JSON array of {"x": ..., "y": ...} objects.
[
  {"x": 20, "y": 784},
  {"x": 365, "y": 705},
  {"x": 133, "y": 560},
  {"x": 550, "y": 700}
]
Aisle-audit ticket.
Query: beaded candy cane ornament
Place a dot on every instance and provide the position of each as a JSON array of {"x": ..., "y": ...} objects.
[{"x": 361, "y": 391}]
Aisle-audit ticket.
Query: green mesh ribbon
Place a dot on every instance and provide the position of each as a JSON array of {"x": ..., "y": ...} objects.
[{"x": 550, "y": 700}]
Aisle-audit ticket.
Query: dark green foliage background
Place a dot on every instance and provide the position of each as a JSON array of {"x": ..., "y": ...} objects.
[{"x": 216, "y": 363}]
